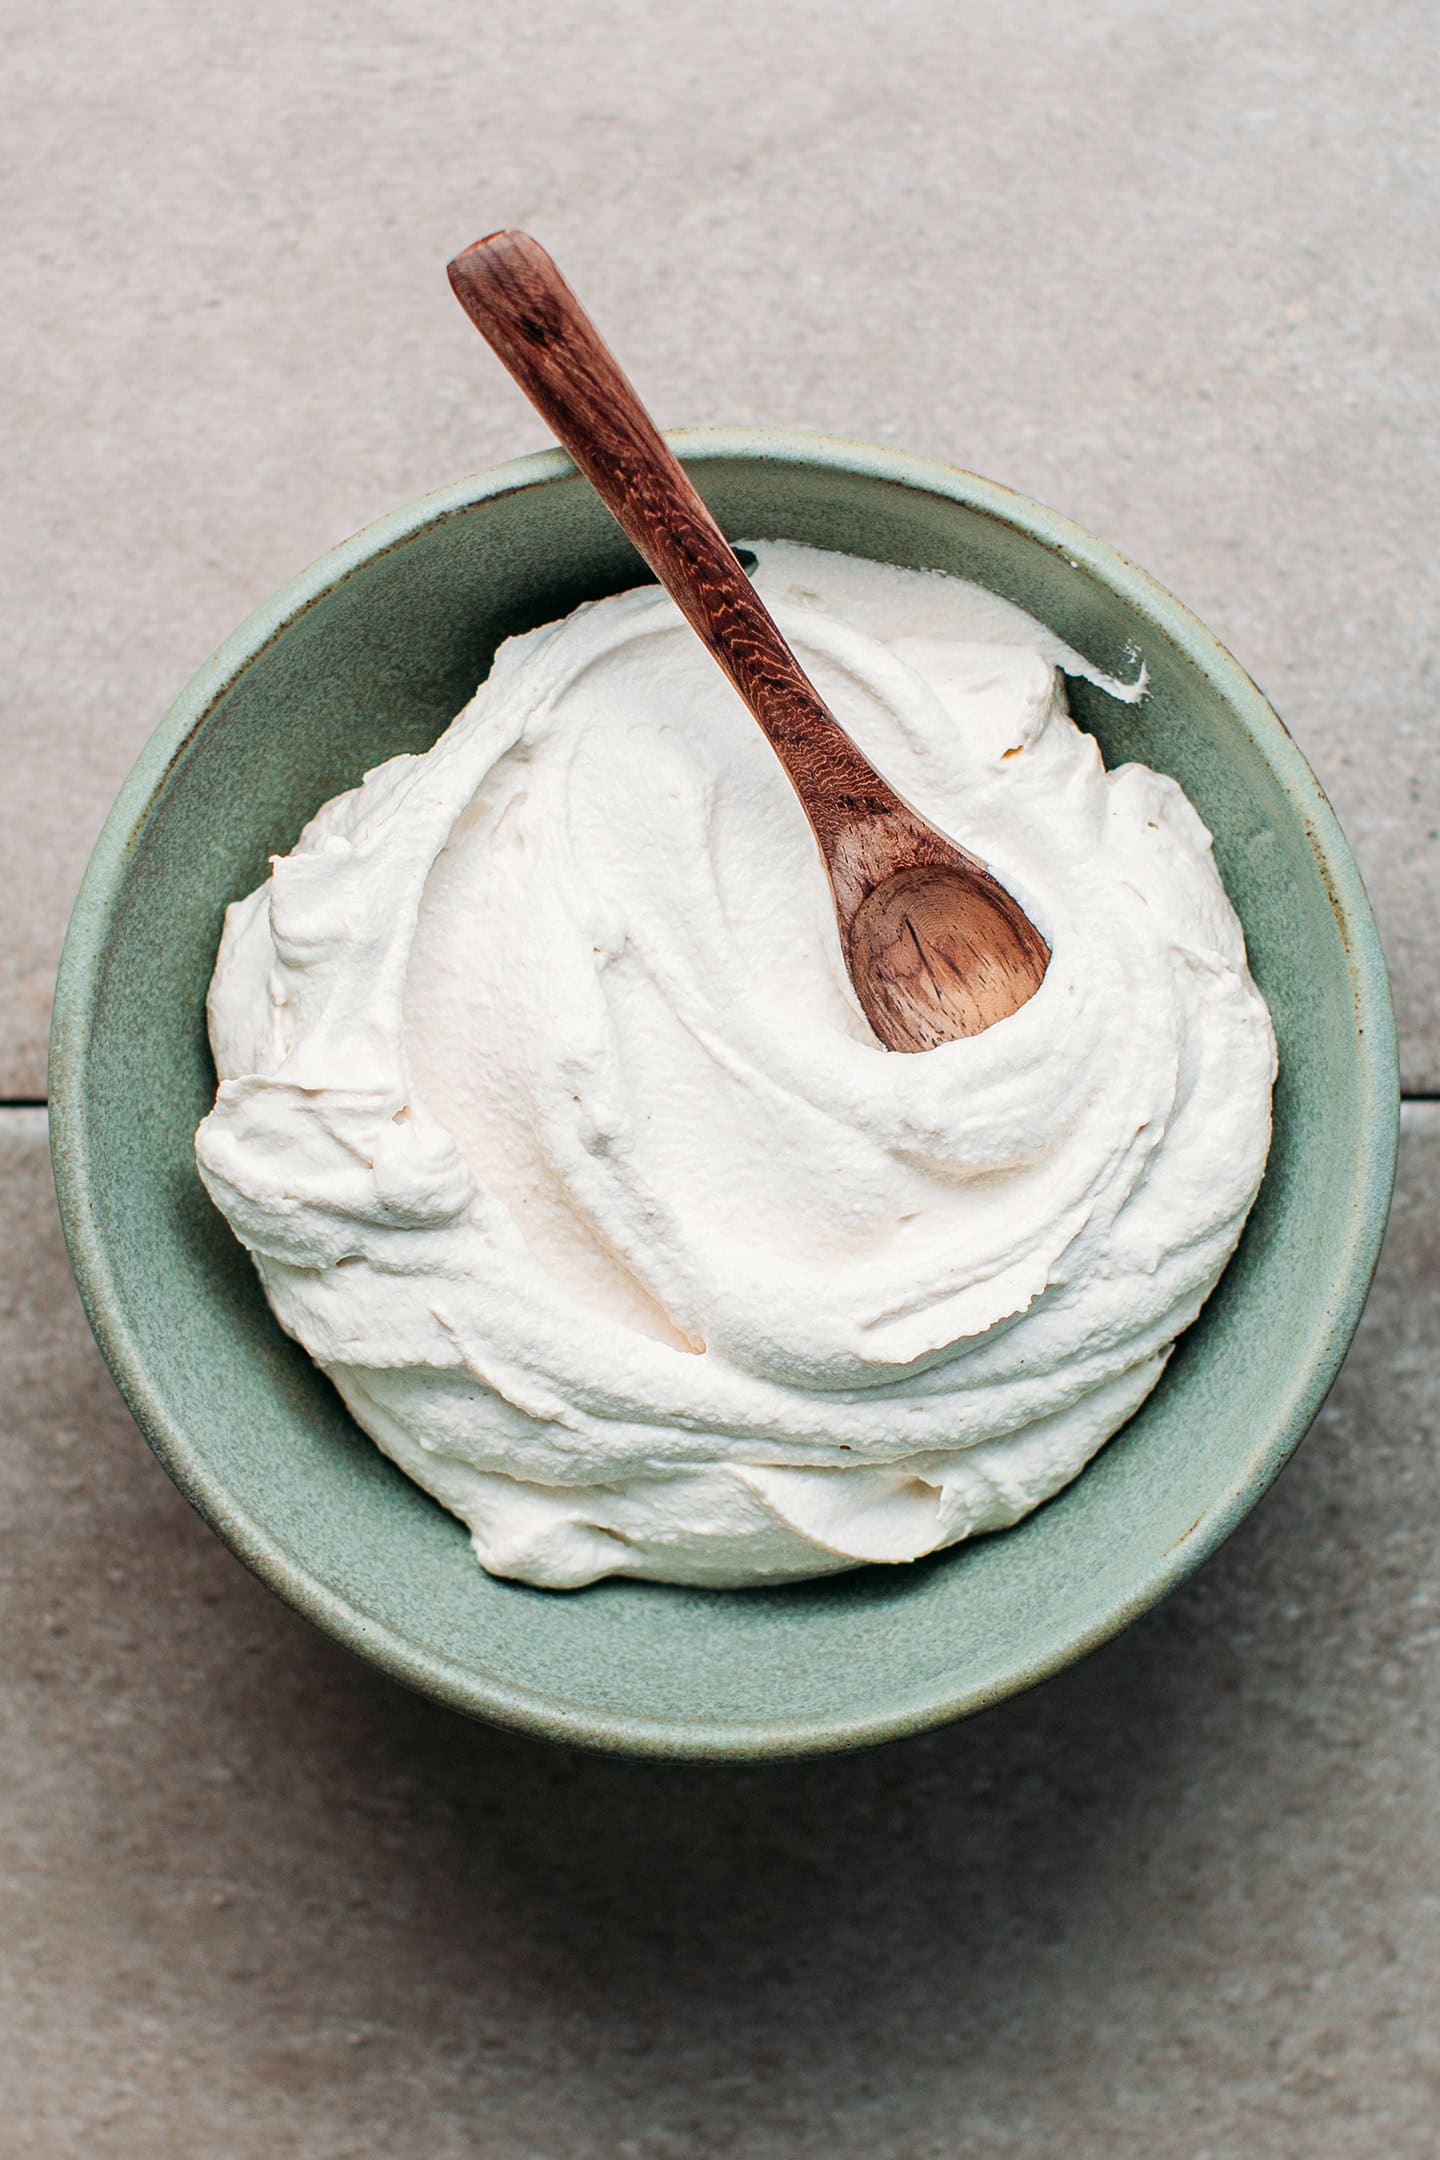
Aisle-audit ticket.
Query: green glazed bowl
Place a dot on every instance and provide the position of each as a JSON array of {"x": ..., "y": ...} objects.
[{"x": 371, "y": 652}]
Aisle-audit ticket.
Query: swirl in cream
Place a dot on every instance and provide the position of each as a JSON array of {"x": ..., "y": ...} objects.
[{"x": 559, "y": 1140}]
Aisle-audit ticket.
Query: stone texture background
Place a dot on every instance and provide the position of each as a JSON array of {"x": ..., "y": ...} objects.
[{"x": 1174, "y": 273}]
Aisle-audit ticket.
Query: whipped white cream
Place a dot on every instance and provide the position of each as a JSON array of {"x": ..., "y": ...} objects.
[{"x": 559, "y": 1140}]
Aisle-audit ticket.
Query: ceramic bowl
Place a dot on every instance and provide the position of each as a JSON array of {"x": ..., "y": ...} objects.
[{"x": 371, "y": 652}]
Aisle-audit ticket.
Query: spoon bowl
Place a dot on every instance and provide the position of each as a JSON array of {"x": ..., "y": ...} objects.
[{"x": 937, "y": 953}]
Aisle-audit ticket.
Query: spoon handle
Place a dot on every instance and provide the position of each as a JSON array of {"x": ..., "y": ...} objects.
[{"x": 522, "y": 306}]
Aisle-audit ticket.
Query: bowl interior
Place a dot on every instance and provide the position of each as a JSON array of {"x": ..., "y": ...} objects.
[{"x": 373, "y": 652}]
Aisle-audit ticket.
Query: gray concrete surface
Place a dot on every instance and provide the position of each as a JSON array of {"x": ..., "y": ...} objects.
[
  {"x": 1174, "y": 273},
  {"x": 1183, "y": 1903},
  {"x": 1171, "y": 271}
]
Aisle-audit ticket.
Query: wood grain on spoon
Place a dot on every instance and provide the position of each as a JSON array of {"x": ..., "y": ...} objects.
[{"x": 935, "y": 946}]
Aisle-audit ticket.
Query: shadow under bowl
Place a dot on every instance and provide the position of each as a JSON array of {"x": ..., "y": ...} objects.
[{"x": 372, "y": 651}]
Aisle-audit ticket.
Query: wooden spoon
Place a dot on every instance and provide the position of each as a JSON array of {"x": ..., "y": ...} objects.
[{"x": 935, "y": 946}]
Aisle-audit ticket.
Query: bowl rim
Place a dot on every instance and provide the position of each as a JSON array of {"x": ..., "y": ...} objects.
[{"x": 530, "y": 1710}]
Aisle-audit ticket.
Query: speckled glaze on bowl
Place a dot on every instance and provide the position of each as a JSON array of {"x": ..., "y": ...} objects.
[{"x": 371, "y": 652}]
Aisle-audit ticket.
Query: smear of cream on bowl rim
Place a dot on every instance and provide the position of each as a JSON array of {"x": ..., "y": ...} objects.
[{"x": 549, "y": 1116}]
